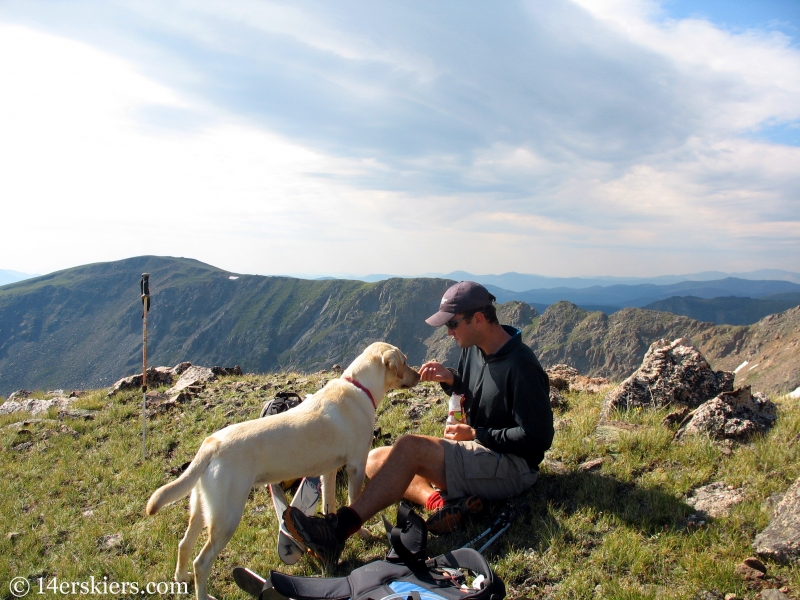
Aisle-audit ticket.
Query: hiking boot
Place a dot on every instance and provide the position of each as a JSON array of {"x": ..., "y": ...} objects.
[
  {"x": 452, "y": 514},
  {"x": 318, "y": 534}
]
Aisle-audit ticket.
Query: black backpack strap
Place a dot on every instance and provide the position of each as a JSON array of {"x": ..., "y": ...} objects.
[
  {"x": 310, "y": 588},
  {"x": 369, "y": 580},
  {"x": 409, "y": 539}
]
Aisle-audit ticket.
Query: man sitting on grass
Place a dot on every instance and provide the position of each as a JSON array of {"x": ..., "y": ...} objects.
[{"x": 493, "y": 456}]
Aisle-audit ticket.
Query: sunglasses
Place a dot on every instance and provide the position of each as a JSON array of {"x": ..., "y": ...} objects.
[{"x": 453, "y": 323}]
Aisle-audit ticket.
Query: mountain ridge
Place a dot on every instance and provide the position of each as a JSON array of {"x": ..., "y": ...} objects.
[{"x": 81, "y": 327}]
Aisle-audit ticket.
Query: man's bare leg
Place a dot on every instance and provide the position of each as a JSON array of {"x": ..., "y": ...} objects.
[
  {"x": 418, "y": 491},
  {"x": 406, "y": 470}
]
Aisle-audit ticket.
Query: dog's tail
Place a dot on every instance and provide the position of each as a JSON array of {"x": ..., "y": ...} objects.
[{"x": 182, "y": 486}]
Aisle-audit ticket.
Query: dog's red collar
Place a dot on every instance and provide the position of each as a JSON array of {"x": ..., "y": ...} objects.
[{"x": 363, "y": 389}]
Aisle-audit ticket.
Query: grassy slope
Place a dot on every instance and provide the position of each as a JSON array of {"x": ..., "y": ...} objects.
[{"x": 619, "y": 532}]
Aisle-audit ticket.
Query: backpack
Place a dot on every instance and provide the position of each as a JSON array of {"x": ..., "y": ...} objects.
[
  {"x": 407, "y": 574},
  {"x": 282, "y": 402}
]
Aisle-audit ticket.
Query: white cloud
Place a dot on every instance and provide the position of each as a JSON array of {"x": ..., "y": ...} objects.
[{"x": 563, "y": 138}]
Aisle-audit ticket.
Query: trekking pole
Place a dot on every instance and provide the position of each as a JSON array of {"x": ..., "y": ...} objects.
[
  {"x": 145, "y": 287},
  {"x": 504, "y": 517},
  {"x": 512, "y": 518}
]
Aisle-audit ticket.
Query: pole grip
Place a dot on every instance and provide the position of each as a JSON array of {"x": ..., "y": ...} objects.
[{"x": 144, "y": 285}]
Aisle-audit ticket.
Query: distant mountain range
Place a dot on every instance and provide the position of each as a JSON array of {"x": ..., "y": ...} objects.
[
  {"x": 81, "y": 327},
  {"x": 7, "y": 276},
  {"x": 614, "y": 297},
  {"x": 740, "y": 300},
  {"x": 727, "y": 309},
  {"x": 521, "y": 282}
]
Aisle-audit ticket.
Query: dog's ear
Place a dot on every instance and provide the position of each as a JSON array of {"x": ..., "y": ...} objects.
[{"x": 394, "y": 359}]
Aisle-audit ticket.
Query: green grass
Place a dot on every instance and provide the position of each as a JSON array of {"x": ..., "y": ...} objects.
[{"x": 619, "y": 531}]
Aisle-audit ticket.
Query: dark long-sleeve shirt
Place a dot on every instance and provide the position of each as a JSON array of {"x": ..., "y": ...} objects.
[{"x": 506, "y": 398}]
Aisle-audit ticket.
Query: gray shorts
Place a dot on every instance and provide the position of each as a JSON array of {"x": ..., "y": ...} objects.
[{"x": 471, "y": 469}]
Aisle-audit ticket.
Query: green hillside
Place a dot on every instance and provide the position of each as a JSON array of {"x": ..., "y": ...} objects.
[
  {"x": 76, "y": 488},
  {"x": 81, "y": 328}
]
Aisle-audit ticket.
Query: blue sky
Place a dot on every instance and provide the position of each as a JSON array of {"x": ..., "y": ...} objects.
[{"x": 565, "y": 138}]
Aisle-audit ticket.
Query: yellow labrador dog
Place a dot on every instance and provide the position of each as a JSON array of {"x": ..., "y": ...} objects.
[{"x": 332, "y": 428}]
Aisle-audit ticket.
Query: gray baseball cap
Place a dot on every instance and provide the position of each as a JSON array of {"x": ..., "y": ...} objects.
[{"x": 463, "y": 296}]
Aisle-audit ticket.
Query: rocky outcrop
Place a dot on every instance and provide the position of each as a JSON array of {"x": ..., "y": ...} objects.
[
  {"x": 192, "y": 377},
  {"x": 671, "y": 374},
  {"x": 567, "y": 379},
  {"x": 736, "y": 415},
  {"x": 156, "y": 376},
  {"x": 33, "y": 405},
  {"x": 225, "y": 371},
  {"x": 192, "y": 380},
  {"x": 780, "y": 541}
]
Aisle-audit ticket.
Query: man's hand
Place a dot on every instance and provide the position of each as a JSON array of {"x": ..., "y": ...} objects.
[
  {"x": 434, "y": 371},
  {"x": 459, "y": 432}
]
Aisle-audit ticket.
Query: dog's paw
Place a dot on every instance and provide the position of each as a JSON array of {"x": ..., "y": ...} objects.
[
  {"x": 365, "y": 534},
  {"x": 183, "y": 577}
]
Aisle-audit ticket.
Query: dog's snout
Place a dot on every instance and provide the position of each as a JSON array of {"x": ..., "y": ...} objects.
[{"x": 411, "y": 377}]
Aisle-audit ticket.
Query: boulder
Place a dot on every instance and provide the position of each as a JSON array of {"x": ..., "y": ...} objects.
[
  {"x": 773, "y": 594},
  {"x": 736, "y": 415},
  {"x": 780, "y": 540},
  {"x": 226, "y": 371},
  {"x": 567, "y": 379},
  {"x": 556, "y": 399},
  {"x": 560, "y": 375},
  {"x": 715, "y": 499},
  {"x": 179, "y": 369},
  {"x": 156, "y": 376},
  {"x": 671, "y": 374},
  {"x": 33, "y": 405},
  {"x": 192, "y": 377}
]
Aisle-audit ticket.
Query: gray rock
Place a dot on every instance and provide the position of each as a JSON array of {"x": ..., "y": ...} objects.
[
  {"x": 179, "y": 369},
  {"x": 77, "y": 413},
  {"x": 193, "y": 376},
  {"x": 19, "y": 394},
  {"x": 110, "y": 542},
  {"x": 556, "y": 399},
  {"x": 34, "y": 406},
  {"x": 709, "y": 595},
  {"x": 671, "y": 374},
  {"x": 773, "y": 595},
  {"x": 555, "y": 467},
  {"x": 567, "y": 379},
  {"x": 226, "y": 371},
  {"x": 780, "y": 540},
  {"x": 736, "y": 415},
  {"x": 156, "y": 376},
  {"x": 592, "y": 464},
  {"x": 715, "y": 499},
  {"x": 560, "y": 375}
]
